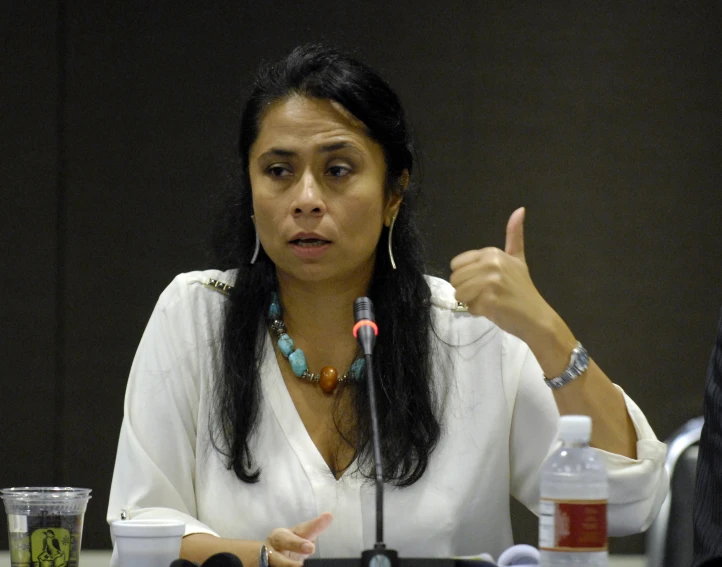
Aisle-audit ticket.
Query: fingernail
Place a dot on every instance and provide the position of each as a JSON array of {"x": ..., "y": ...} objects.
[{"x": 307, "y": 547}]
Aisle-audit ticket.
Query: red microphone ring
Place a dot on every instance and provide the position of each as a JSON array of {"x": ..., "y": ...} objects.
[{"x": 365, "y": 323}]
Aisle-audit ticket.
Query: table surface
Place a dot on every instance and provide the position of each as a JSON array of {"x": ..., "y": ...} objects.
[
  {"x": 88, "y": 558},
  {"x": 101, "y": 558}
]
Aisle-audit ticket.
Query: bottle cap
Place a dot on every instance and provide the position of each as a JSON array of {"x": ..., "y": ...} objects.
[{"x": 575, "y": 428}]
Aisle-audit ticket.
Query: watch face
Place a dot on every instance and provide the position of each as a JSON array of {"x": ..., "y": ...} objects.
[{"x": 581, "y": 361}]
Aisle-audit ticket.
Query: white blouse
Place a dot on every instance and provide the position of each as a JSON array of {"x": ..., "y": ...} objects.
[{"x": 499, "y": 422}]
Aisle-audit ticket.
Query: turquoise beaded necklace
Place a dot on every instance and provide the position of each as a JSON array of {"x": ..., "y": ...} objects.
[{"x": 328, "y": 378}]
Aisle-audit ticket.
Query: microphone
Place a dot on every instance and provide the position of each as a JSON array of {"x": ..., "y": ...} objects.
[
  {"x": 365, "y": 331},
  {"x": 223, "y": 560}
]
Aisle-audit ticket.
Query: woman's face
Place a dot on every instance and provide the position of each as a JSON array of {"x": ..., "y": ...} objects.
[{"x": 318, "y": 184}]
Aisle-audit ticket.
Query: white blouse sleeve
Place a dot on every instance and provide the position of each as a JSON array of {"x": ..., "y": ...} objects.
[
  {"x": 156, "y": 460},
  {"x": 637, "y": 487}
]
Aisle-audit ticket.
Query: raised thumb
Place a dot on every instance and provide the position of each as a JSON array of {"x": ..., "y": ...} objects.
[{"x": 515, "y": 234}]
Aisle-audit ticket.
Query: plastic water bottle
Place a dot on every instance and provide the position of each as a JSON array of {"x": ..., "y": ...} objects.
[{"x": 573, "y": 507}]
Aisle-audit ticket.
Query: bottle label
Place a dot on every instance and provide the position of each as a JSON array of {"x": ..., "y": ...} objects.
[{"x": 572, "y": 525}]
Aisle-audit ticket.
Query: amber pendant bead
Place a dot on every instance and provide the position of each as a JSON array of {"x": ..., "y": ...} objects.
[{"x": 328, "y": 379}]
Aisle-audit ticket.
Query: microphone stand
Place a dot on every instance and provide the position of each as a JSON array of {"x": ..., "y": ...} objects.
[
  {"x": 376, "y": 439},
  {"x": 365, "y": 331}
]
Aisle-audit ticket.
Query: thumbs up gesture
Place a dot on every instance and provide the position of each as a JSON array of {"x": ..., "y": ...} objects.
[{"x": 496, "y": 284}]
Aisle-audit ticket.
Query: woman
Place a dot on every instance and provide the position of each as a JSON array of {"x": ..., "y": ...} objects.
[{"x": 231, "y": 430}]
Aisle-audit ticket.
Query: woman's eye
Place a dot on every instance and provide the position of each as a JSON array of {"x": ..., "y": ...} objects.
[
  {"x": 338, "y": 171},
  {"x": 278, "y": 171}
]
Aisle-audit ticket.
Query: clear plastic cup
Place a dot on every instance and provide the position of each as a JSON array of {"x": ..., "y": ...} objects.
[{"x": 45, "y": 524}]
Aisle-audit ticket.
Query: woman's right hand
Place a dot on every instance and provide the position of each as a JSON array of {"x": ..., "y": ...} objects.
[{"x": 289, "y": 547}]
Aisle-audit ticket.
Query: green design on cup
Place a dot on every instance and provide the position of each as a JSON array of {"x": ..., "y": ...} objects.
[{"x": 50, "y": 547}]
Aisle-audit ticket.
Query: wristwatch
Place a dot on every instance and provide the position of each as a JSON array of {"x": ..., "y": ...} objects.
[{"x": 578, "y": 364}]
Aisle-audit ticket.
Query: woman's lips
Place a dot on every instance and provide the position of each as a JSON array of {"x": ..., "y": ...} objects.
[
  {"x": 309, "y": 242},
  {"x": 309, "y": 248}
]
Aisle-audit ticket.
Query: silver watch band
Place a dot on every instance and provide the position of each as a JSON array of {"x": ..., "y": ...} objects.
[{"x": 578, "y": 364}]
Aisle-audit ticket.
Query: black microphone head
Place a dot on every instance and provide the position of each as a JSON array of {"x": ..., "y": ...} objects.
[
  {"x": 223, "y": 560},
  {"x": 183, "y": 563},
  {"x": 363, "y": 309}
]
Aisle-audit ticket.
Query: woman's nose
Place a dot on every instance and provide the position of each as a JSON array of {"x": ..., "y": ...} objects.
[{"x": 309, "y": 198}]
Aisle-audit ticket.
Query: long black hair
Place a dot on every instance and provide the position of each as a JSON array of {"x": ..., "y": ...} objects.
[{"x": 402, "y": 359}]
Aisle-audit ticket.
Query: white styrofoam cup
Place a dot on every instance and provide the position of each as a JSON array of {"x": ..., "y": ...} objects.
[{"x": 147, "y": 543}]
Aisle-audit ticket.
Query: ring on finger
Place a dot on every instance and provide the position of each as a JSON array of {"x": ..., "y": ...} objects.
[{"x": 264, "y": 558}]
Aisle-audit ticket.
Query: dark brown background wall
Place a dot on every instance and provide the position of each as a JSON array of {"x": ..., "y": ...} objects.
[{"x": 119, "y": 123}]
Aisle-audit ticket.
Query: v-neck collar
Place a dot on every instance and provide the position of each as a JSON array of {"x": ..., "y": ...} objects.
[{"x": 280, "y": 401}]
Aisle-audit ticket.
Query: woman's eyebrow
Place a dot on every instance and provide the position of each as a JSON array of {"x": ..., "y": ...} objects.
[
  {"x": 327, "y": 148},
  {"x": 277, "y": 152},
  {"x": 336, "y": 146}
]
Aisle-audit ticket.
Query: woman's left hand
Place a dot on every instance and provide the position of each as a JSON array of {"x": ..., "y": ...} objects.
[{"x": 496, "y": 284}]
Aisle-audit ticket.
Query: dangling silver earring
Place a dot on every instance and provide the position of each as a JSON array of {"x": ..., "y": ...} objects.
[
  {"x": 391, "y": 232},
  {"x": 258, "y": 242}
]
